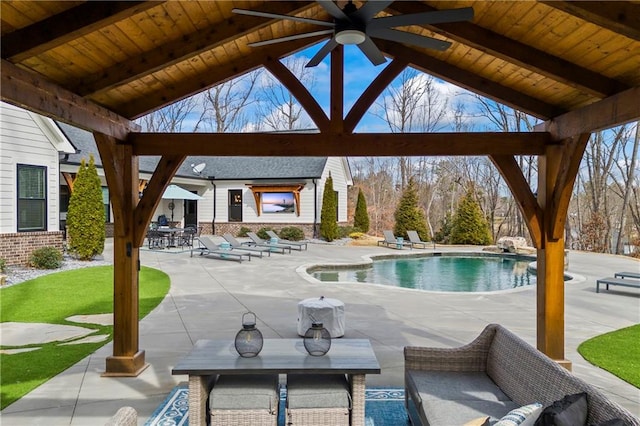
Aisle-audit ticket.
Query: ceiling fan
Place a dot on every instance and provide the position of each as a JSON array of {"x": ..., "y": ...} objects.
[{"x": 356, "y": 26}]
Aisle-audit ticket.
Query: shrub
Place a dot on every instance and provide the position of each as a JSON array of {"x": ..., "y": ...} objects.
[
  {"x": 291, "y": 233},
  {"x": 356, "y": 235},
  {"x": 3, "y": 265},
  {"x": 46, "y": 258},
  {"x": 243, "y": 231},
  {"x": 361, "y": 217},
  {"x": 85, "y": 217},
  {"x": 410, "y": 217},
  {"x": 262, "y": 233},
  {"x": 345, "y": 231},
  {"x": 328, "y": 220},
  {"x": 443, "y": 235}
]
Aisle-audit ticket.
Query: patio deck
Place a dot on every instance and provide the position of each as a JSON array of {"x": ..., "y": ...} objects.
[{"x": 207, "y": 299}]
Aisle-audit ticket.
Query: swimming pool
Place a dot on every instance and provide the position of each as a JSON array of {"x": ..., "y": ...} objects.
[{"x": 439, "y": 272}]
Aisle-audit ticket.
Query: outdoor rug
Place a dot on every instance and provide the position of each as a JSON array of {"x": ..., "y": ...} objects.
[{"x": 383, "y": 407}]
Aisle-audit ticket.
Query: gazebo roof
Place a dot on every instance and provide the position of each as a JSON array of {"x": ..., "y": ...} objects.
[{"x": 542, "y": 57}]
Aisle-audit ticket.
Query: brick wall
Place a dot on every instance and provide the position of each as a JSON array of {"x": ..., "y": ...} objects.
[{"x": 16, "y": 248}]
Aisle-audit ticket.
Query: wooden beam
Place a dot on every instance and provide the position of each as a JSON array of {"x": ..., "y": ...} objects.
[
  {"x": 520, "y": 54},
  {"x": 120, "y": 167},
  {"x": 35, "y": 93},
  {"x": 67, "y": 26},
  {"x": 297, "y": 89},
  {"x": 336, "y": 99},
  {"x": 317, "y": 144},
  {"x": 165, "y": 95},
  {"x": 622, "y": 17},
  {"x": 69, "y": 178},
  {"x": 372, "y": 92},
  {"x": 521, "y": 190},
  {"x": 612, "y": 111},
  {"x": 161, "y": 178},
  {"x": 470, "y": 81},
  {"x": 182, "y": 49},
  {"x": 569, "y": 166}
]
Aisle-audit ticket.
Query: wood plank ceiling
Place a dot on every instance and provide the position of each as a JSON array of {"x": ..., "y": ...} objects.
[{"x": 544, "y": 58}]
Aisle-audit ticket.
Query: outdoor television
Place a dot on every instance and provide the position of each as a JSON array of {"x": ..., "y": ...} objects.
[{"x": 278, "y": 202}]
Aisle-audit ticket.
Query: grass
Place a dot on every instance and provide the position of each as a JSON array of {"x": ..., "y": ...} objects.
[
  {"x": 617, "y": 352},
  {"x": 51, "y": 299}
]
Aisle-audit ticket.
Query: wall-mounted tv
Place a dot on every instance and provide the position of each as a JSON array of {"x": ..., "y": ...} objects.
[{"x": 278, "y": 202}]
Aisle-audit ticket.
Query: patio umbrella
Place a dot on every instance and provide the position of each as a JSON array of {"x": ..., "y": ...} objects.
[{"x": 175, "y": 192}]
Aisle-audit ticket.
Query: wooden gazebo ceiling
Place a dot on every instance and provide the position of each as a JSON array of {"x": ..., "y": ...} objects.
[{"x": 542, "y": 57}]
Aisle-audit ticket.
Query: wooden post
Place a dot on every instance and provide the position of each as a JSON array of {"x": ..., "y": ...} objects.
[
  {"x": 550, "y": 264},
  {"x": 121, "y": 171}
]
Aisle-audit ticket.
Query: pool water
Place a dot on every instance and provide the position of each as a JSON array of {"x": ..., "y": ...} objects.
[{"x": 439, "y": 273}]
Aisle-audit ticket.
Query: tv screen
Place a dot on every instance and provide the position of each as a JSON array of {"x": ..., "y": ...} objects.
[{"x": 278, "y": 202}]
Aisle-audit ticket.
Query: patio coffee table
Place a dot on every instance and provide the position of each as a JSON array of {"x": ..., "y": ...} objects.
[{"x": 354, "y": 357}]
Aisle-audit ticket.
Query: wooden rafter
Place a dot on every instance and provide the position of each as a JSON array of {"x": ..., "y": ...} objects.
[
  {"x": 134, "y": 108},
  {"x": 69, "y": 179},
  {"x": 67, "y": 26},
  {"x": 339, "y": 145},
  {"x": 372, "y": 92},
  {"x": 612, "y": 111},
  {"x": 521, "y": 190},
  {"x": 34, "y": 92},
  {"x": 297, "y": 89},
  {"x": 521, "y": 54},
  {"x": 181, "y": 49},
  {"x": 619, "y": 16},
  {"x": 470, "y": 81}
]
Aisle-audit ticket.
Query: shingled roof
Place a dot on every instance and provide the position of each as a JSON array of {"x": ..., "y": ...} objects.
[{"x": 222, "y": 168}]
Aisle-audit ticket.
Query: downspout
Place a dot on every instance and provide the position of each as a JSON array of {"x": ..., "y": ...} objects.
[
  {"x": 213, "y": 219},
  {"x": 315, "y": 208}
]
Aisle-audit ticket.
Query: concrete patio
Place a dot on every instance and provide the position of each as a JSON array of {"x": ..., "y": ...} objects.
[{"x": 208, "y": 296}]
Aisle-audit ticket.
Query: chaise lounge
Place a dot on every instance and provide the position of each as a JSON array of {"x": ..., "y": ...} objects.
[
  {"x": 489, "y": 377},
  {"x": 624, "y": 282},
  {"x": 298, "y": 245},
  {"x": 236, "y": 245},
  {"x": 415, "y": 240},
  {"x": 257, "y": 241},
  {"x": 208, "y": 248},
  {"x": 392, "y": 241}
]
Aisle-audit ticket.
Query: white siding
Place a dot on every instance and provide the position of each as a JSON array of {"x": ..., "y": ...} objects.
[
  {"x": 22, "y": 141},
  {"x": 341, "y": 180}
]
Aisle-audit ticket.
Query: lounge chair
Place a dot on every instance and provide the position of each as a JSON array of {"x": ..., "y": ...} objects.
[
  {"x": 625, "y": 274},
  {"x": 390, "y": 240},
  {"x": 294, "y": 244},
  {"x": 236, "y": 245},
  {"x": 257, "y": 241},
  {"x": 415, "y": 240},
  {"x": 208, "y": 248},
  {"x": 616, "y": 281}
]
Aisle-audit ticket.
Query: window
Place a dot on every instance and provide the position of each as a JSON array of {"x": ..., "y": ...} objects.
[
  {"x": 32, "y": 198},
  {"x": 105, "y": 201}
]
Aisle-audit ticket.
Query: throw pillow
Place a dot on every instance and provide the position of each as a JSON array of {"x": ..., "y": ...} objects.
[
  {"x": 523, "y": 416},
  {"x": 569, "y": 411},
  {"x": 480, "y": 421}
]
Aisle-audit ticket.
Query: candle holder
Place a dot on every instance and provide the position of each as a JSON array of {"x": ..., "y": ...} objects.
[{"x": 317, "y": 340}]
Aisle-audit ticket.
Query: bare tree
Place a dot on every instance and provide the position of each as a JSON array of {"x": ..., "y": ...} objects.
[
  {"x": 277, "y": 108},
  {"x": 172, "y": 118}
]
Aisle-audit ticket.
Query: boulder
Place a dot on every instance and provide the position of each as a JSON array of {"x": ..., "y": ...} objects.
[{"x": 511, "y": 244}]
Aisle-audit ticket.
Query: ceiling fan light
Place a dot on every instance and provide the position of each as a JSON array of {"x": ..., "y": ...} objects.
[{"x": 350, "y": 37}]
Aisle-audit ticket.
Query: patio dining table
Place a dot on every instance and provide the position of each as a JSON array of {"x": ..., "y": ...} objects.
[
  {"x": 171, "y": 234},
  {"x": 353, "y": 357}
]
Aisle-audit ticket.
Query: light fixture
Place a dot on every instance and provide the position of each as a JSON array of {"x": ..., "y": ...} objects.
[
  {"x": 249, "y": 339},
  {"x": 350, "y": 37}
]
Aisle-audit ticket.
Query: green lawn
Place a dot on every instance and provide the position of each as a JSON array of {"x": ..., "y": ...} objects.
[
  {"x": 617, "y": 352},
  {"x": 51, "y": 299}
]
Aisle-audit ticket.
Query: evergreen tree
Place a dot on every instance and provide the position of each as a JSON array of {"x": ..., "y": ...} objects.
[
  {"x": 85, "y": 217},
  {"x": 328, "y": 219},
  {"x": 469, "y": 226},
  {"x": 410, "y": 217},
  {"x": 361, "y": 217}
]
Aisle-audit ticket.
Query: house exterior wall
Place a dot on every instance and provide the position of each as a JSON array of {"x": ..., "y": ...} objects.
[{"x": 26, "y": 138}]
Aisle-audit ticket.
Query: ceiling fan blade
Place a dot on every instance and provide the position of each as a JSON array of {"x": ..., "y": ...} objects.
[
  {"x": 289, "y": 38},
  {"x": 371, "y": 9},
  {"x": 324, "y": 51},
  {"x": 410, "y": 38},
  {"x": 371, "y": 51},
  {"x": 277, "y": 16},
  {"x": 424, "y": 18},
  {"x": 332, "y": 9}
]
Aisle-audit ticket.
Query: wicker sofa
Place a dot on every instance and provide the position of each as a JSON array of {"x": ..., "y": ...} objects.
[{"x": 490, "y": 376}]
